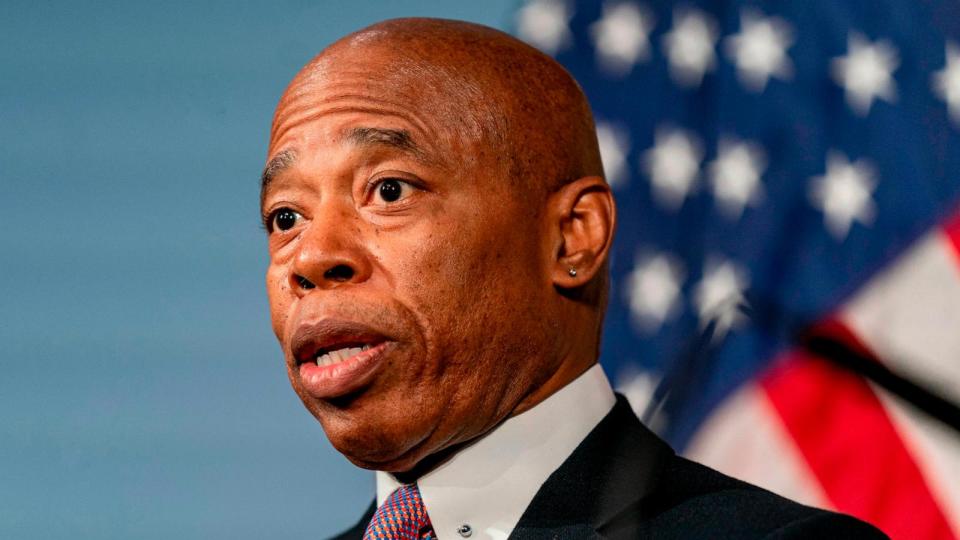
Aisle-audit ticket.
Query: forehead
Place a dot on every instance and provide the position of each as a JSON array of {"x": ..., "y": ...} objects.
[
  {"x": 374, "y": 98},
  {"x": 361, "y": 120},
  {"x": 359, "y": 134},
  {"x": 433, "y": 100},
  {"x": 355, "y": 120}
]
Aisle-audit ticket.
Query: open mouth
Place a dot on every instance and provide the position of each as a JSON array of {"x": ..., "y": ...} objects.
[
  {"x": 334, "y": 358},
  {"x": 328, "y": 357}
]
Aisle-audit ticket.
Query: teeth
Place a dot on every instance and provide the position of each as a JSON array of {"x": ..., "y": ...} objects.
[{"x": 339, "y": 355}]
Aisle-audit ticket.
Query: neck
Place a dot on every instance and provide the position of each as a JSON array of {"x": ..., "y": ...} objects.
[{"x": 567, "y": 372}]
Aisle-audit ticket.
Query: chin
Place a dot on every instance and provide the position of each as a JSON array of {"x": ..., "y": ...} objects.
[
  {"x": 396, "y": 466},
  {"x": 378, "y": 454},
  {"x": 375, "y": 442}
]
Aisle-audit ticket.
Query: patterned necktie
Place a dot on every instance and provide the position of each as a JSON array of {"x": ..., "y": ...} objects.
[{"x": 401, "y": 517}]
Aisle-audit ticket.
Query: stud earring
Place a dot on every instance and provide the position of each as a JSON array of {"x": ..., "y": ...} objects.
[{"x": 572, "y": 272}]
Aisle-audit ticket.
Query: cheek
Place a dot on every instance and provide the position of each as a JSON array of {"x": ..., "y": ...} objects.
[
  {"x": 444, "y": 268},
  {"x": 279, "y": 297},
  {"x": 469, "y": 283}
]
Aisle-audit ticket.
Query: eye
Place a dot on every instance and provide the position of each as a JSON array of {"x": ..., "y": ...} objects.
[
  {"x": 392, "y": 190},
  {"x": 283, "y": 219}
]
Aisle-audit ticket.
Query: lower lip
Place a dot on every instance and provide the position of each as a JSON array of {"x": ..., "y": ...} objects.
[{"x": 344, "y": 377}]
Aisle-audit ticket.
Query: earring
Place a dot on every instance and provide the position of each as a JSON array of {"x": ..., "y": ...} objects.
[{"x": 572, "y": 272}]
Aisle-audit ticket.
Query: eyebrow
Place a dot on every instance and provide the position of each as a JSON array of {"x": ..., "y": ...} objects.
[
  {"x": 398, "y": 139},
  {"x": 275, "y": 166}
]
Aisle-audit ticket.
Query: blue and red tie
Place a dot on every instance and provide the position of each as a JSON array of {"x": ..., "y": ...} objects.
[{"x": 401, "y": 517}]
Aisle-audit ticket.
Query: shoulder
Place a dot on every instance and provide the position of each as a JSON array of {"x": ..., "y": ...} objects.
[
  {"x": 625, "y": 482},
  {"x": 694, "y": 501}
]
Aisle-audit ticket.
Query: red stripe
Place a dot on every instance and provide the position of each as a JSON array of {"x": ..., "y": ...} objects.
[
  {"x": 852, "y": 447},
  {"x": 952, "y": 230}
]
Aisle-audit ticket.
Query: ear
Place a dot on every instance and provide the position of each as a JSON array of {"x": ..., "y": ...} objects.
[{"x": 582, "y": 216}]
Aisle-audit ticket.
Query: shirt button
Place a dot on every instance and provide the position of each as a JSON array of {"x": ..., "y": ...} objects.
[{"x": 464, "y": 530}]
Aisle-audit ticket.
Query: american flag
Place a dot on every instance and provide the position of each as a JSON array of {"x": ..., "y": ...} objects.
[{"x": 786, "y": 278}]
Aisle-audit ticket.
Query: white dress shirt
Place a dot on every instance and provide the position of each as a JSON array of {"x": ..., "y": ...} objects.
[{"x": 488, "y": 484}]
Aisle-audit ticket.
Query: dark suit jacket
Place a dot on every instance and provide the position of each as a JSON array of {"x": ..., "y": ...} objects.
[{"x": 624, "y": 482}]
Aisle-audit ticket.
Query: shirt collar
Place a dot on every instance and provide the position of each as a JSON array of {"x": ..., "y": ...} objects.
[{"x": 488, "y": 484}]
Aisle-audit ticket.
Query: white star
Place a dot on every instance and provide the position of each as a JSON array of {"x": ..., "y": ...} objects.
[
  {"x": 735, "y": 176},
  {"x": 865, "y": 72},
  {"x": 614, "y": 145},
  {"x": 545, "y": 24},
  {"x": 621, "y": 36},
  {"x": 673, "y": 165},
  {"x": 719, "y": 296},
  {"x": 760, "y": 49},
  {"x": 653, "y": 291},
  {"x": 689, "y": 46},
  {"x": 946, "y": 82},
  {"x": 844, "y": 194},
  {"x": 638, "y": 386}
]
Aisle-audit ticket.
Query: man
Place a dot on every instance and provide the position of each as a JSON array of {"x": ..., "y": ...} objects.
[{"x": 438, "y": 229}]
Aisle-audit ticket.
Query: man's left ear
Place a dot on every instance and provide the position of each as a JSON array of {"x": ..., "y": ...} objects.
[{"x": 582, "y": 218}]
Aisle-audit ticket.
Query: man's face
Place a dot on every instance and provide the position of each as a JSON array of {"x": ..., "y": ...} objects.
[{"x": 406, "y": 279}]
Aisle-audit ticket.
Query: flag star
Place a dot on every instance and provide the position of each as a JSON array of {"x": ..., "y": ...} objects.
[
  {"x": 689, "y": 46},
  {"x": 614, "y": 145},
  {"x": 621, "y": 36},
  {"x": 545, "y": 24},
  {"x": 946, "y": 82},
  {"x": 865, "y": 73},
  {"x": 653, "y": 291},
  {"x": 640, "y": 386},
  {"x": 719, "y": 296},
  {"x": 760, "y": 49},
  {"x": 844, "y": 194},
  {"x": 735, "y": 176},
  {"x": 673, "y": 165}
]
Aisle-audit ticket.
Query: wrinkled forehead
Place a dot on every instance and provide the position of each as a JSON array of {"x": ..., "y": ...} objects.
[{"x": 440, "y": 104}]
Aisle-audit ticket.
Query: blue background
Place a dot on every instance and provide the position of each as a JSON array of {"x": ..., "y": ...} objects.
[{"x": 142, "y": 394}]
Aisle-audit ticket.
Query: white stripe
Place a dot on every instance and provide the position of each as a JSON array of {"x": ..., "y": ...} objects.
[
  {"x": 745, "y": 438},
  {"x": 909, "y": 315},
  {"x": 936, "y": 450}
]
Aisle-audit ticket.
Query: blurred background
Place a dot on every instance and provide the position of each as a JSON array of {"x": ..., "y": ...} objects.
[
  {"x": 142, "y": 392},
  {"x": 786, "y": 295}
]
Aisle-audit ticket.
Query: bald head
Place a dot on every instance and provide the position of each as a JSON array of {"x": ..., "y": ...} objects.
[
  {"x": 508, "y": 103},
  {"x": 433, "y": 199}
]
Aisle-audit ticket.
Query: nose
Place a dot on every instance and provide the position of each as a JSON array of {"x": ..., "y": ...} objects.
[{"x": 330, "y": 253}]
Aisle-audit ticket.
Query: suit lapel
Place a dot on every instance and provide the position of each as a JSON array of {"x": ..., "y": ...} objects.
[{"x": 609, "y": 473}]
